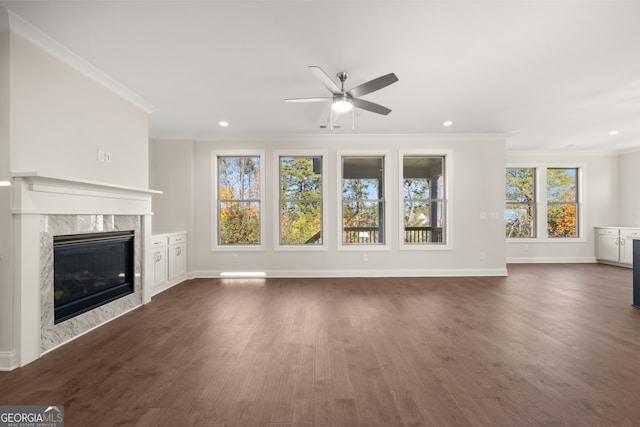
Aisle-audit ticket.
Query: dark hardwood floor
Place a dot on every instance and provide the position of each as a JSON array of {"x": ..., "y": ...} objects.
[{"x": 550, "y": 345}]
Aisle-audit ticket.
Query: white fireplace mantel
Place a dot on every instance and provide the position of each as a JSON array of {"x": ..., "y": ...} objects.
[
  {"x": 40, "y": 194},
  {"x": 36, "y": 199}
]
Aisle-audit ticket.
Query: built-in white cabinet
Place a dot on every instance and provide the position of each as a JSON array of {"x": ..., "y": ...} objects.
[
  {"x": 614, "y": 245},
  {"x": 159, "y": 256},
  {"x": 177, "y": 255},
  {"x": 169, "y": 255}
]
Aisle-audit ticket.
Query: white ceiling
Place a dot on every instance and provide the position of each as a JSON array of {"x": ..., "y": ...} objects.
[{"x": 552, "y": 75}]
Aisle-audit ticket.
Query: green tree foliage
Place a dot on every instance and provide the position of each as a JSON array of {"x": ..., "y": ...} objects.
[
  {"x": 417, "y": 205},
  {"x": 361, "y": 206},
  {"x": 300, "y": 201},
  {"x": 520, "y": 197},
  {"x": 239, "y": 200},
  {"x": 361, "y": 210}
]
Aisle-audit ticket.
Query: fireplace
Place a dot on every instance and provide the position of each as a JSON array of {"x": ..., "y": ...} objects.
[{"x": 91, "y": 270}]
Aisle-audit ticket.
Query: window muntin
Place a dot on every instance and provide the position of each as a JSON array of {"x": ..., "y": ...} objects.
[
  {"x": 239, "y": 200},
  {"x": 562, "y": 202},
  {"x": 363, "y": 201},
  {"x": 520, "y": 210},
  {"x": 300, "y": 189},
  {"x": 424, "y": 199}
]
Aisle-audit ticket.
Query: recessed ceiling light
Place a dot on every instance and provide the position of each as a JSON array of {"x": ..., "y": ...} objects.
[
  {"x": 447, "y": 123},
  {"x": 614, "y": 132},
  {"x": 224, "y": 124}
]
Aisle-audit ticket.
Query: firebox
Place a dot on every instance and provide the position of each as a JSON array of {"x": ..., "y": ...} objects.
[{"x": 91, "y": 270}]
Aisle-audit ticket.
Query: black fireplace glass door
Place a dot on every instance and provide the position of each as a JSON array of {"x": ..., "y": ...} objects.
[{"x": 91, "y": 270}]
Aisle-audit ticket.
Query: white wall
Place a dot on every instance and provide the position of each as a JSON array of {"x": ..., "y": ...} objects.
[
  {"x": 629, "y": 193},
  {"x": 170, "y": 171},
  {"x": 476, "y": 185},
  {"x": 53, "y": 119},
  {"x": 600, "y": 200},
  {"x": 6, "y": 294},
  {"x": 60, "y": 118}
]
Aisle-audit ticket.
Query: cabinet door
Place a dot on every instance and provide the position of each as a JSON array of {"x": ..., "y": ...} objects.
[
  {"x": 177, "y": 261},
  {"x": 626, "y": 250},
  {"x": 627, "y": 235},
  {"x": 608, "y": 248},
  {"x": 159, "y": 266}
]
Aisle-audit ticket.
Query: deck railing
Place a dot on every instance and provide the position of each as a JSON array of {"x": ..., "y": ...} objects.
[
  {"x": 423, "y": 234},
  {"x": 369, "y": 235}
]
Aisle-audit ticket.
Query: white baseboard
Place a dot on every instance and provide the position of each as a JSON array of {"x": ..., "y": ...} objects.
[
  {"x": 369, "y": 273},
  {"x": 171, "y": 283},
  {"x": 551, "y": 260},
  {"x": 8, "y": 360}
]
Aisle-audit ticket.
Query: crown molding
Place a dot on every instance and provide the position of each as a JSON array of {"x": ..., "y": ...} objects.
[
  {"x": 380, "y": 137},
  {"x": 560, "y": 153},
  {"x": 32, "y": 34}
]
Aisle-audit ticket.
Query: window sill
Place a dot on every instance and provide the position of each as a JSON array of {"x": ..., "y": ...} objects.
[
  {"x": 547, "y": 240},
  {"x": 363, "y": 247},
  {"x": 435, "y": 247},
  {"x": 238, "y": 248},
  {"x": 300, "y": 248}
]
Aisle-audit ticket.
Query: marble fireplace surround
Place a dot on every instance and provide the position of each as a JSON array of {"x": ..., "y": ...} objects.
[
  {"x": 43, "y": 207},
  {"x": 53, "y": 335}
]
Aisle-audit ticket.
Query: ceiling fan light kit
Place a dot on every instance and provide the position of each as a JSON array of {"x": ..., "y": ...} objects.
[
  {"x": 344, "y": 101},
  {"x": 341, "y": 104}
]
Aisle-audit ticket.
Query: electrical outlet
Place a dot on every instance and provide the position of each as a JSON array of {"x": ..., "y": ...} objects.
[
  {"x": 365, "y": 257},
  {"x": 483, "y": 257},
  {"x": 100, "y": 155},
  {"x": 234, "y": 258}
]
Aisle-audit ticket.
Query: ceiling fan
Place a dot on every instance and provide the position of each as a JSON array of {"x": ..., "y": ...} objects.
[{"x": 344, "y": 100}]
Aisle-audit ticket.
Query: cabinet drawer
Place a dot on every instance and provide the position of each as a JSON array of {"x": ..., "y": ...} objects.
[
  {"x": 608, "y": 231},
  {"x": 630, "y": 232},
  {"x": 157, "y": 241},
  {"x": 177, "y": 239}
]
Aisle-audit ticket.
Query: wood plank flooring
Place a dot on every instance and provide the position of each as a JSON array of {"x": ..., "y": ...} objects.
[{"x": 550, "y": 345}]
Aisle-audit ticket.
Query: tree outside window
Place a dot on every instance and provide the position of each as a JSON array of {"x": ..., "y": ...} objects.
[
  {"x": 520, "y": 212},
  {"x": 239, "y": 200},
  {"x": 300, "y": 200},
  {"x": 423, "y": 194},
  {"x": 562, "y": 202},
  {"x": 362, "y": 200}
]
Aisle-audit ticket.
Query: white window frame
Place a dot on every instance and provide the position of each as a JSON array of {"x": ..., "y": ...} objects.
[
  {"x": 579, "y": 205},
  {"x": 388, "y": 234},
  {"x": 536, "y": 204},
  {"x": 541, "y": 202},
  {"x": 448, "y": 205},
  {"x": 324, "y": 155},
  {"x": 264, "y": 205}
]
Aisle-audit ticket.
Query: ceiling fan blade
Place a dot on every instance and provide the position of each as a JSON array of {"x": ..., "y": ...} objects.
[
  {"x": 327, "y": 81},
  {"x": 373, "y": 85},
  {"x": 370, "y": 106},
  {"x": 326, "y": 98}
]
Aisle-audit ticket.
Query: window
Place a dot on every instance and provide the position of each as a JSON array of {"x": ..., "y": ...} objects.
[
  {"x": 300, "y": 191},
  {"x": 423, "y": 199},
  {"x": 562, "y": 202},
  {"x": 363, "y": 200},
  {"x": 528, "y": 215},
  {"x": 238, "y": 200},
  {"x": 520, "y": 212}
]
